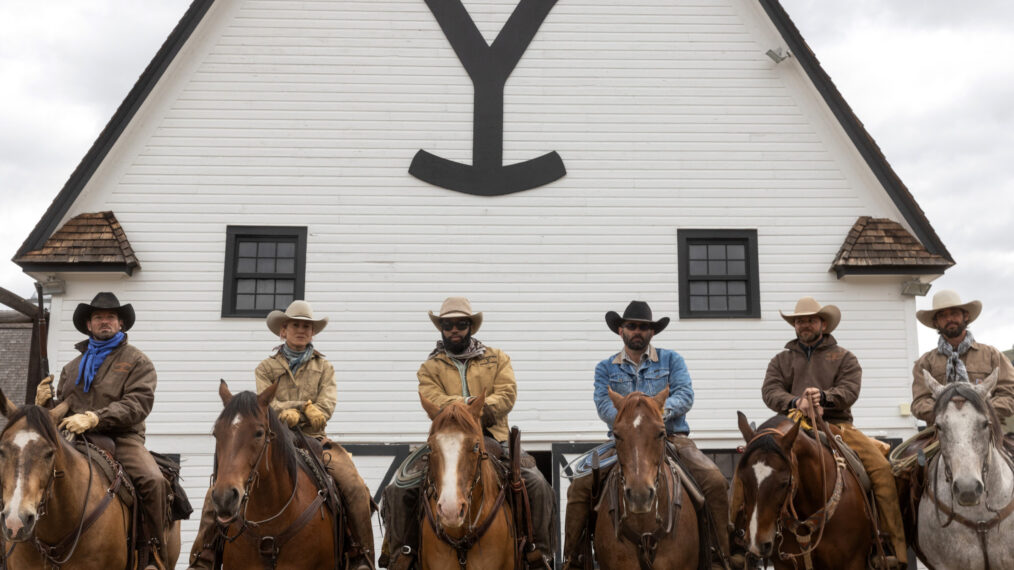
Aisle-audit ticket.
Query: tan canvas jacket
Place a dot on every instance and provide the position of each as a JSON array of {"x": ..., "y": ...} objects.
[
  {"x": 490, "y": 374},
  {"x": 314, "y": 381},
  {"x": 831, "y": 368},
  {"x": 980, "y": 360},
  {"x": 121, "y": 394}
]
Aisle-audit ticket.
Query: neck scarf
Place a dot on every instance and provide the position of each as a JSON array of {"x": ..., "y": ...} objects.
[
  {"x": 956, "y": 371},
  {"x": 297, "y": 358},
  {"x": 475, "y": 348},
  {"x": 97, "y": 352}
]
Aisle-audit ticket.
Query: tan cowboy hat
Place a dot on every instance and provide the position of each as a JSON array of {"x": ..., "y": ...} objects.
[
  {"x": 296, "y": 311},
  {"x": 808, "y": 306},
  {"x": 454, "y": 307},
  {"x": 948, "y": 299}
]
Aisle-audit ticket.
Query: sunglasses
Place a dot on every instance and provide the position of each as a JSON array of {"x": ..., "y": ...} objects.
[
  {"x": 637, "y": 326},
  {"x": 461, "y": 325}
]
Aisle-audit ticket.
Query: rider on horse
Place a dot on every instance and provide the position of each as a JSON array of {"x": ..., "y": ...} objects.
[
  {"x": 110, "y": 388},
  {"x": 305, "y": 399},
  {"x": 816, "y": 375},
  {"x": 640, "y": 367},
  {"x": 959, "y": 357},
  {"x": 459, "y": 368}
]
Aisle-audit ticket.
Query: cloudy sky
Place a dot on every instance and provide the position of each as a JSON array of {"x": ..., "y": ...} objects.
[{"x": 933, "y": 83}]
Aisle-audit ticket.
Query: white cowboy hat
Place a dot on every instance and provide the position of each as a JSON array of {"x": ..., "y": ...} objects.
[
  {"x": 948, "y": 299},
  {"x": 296, "y": 311},
  {"x": 808, "y": 306},
  {"x": 454, "y": 307}
]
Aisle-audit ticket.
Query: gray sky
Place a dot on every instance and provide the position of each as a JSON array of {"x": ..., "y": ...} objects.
[{"x": 933, "y": 83}]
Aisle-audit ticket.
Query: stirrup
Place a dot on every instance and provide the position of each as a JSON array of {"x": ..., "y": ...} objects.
[{"x": 886, "y": 562}]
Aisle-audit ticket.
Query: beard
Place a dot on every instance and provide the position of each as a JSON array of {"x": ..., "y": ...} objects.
[
  {"x": 104, "y": 334},
  {"x": 952, "y": 331},
  {"x": 457, "y": 347},
  {"x": 634, "y": 341},
  {"x": 809, "y": 338}
]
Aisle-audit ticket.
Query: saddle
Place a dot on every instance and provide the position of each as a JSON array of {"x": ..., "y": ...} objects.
[{"x": 851, "y": 458}]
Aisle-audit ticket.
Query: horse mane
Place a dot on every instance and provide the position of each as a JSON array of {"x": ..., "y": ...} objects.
[
  {"x": 36, "y": 418},
  {"x": 766, "y": 442},
  {"x": 455, "y": 414},
  {"x": 967, "y": 391},
  {"x": 245, "y": 403}
]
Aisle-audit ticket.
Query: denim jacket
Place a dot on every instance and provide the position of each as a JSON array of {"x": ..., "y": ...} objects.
[{"x": 661, "y": 368}]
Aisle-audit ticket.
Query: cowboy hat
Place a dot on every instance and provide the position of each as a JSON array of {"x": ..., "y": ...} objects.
[
  {"x": 296, "y": 311},
  {"x": 455, "y": 307},
  {"x": 808, "y": 306},
  {"x": 103, "y": 301},
  {"x": 637, "y": 311},
  {"x": 948, "y": 299}
]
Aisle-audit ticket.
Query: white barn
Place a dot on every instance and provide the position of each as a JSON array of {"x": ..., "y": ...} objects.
[{"x": 271, "y": 150}]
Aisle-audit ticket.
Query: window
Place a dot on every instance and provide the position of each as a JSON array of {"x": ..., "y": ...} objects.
[
  {"x": 265, "y": 268},
  {"x": 718, "y": 274}
]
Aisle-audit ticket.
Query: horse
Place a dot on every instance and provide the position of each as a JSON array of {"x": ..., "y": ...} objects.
[
  {"x": 645, "y": 518},
  {"x": 970, "y": 482},
  {"x": 262, "y": 493},
  {"x": 59, "y": 508},
  {"x": 790, "y": 493},
  {"x": 468, "y": 519}
]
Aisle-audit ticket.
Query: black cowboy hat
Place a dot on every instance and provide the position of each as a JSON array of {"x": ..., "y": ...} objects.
[
  {"x": 637, "y": 311},
  {"x": 104, "y": 301}
]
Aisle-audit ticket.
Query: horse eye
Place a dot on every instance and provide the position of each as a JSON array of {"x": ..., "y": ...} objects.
[
  {"x": 985, "y": 424},
  {"x": 48, "y": 455},
  {"x": 617, "y": 437},
  {"x": 259, "y": 433},
  {"x": 661, "y": 434}
]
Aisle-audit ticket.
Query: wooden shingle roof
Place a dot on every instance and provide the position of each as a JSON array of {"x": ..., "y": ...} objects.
[
  {"x": 88, "y": 242},
  {"x": 882, "y": 246}
]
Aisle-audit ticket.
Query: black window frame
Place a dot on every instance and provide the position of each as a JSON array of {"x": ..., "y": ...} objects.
[
  {"x": 685, "y": 238},
  {"x": 233, "y": 236}
]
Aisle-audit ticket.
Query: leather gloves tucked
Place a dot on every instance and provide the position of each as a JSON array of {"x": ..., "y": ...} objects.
[
  {"x": 79, "y": 423},
  {"x": 44, "y": 391},
  {"x": 487, "y": 418},
  {"x": 315, "y": 415},
  {"x": 289, "y": 417}
]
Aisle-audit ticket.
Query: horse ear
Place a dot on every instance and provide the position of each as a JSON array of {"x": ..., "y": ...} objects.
[
  {"x": 985, "y": 389},
  {"x": 931, "y": 383},
  {"x": 223, "y": 391},
  {"x": 6, "y": 406},
  {"x": 59, "y": 411},
  {"x": 432, "y": 410},
  {"x": 265, "y": 397},
  {"x": 475, "y": 408},
  {"x": 616, "y": 398},
  {"x": 661, "y": 397},
  {"x": 790, "y": 438},
  {"x": 744, "y": 426}
]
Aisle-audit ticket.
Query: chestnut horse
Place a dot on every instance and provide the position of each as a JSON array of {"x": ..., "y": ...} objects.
[
  {"x": 794, "y": 504},
  {"x": 468, "y": 521},
  {"x": 261, "y": 494},
  {"x": 645, "y": 518},
  {"x": 59, "y": 508}
]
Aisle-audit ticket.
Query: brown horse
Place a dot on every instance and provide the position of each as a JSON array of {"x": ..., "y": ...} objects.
[
  {"x": 645, "y": 518},
  {"x": 261, "y": 493},
  {"x": 467, "y": 519},
  {"x": 794, "y": 504},
  {"x": 59, "y": 508}
]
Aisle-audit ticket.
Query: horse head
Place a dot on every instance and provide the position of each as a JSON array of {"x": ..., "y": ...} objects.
[
  {"x": 762, "y": 483},
  {"x": 244, "y": 433},
  {"x": 969, "y": 433},
  {"x": 456, "y": 453},
  {"x": 31, "y": 453},
  {"x": 640, "y": 446}
]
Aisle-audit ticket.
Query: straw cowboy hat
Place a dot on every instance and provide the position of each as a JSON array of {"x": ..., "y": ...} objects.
[
  {"x": 296, "y": 311},
  {"x": 808, "y": 306},
  {"x": 948, "y": 299},
  {"x": 103, "y": 301},
  {"x": 455, "y": 307},
  {"x": 637, "y": 311}
]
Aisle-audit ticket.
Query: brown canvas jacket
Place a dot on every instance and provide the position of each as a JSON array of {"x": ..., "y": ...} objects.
[
  {"x": 980, "y": 360},
  {"x": 121, "y": 395},
  {"x": 314, "y": 381},
  {"x": 490, "y": 374},
  {"x": 831, "y": 368}
]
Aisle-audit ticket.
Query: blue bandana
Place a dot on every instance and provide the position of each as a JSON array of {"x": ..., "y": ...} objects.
[{"x": 97, "y": 352}]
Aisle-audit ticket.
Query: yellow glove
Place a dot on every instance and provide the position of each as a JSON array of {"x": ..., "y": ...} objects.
[
  {"x": 80, "y": 423},
  {"x": 44, "y": 391},
  {"x": 289, "y": 417},
  {"x": 315, "y": 415}
]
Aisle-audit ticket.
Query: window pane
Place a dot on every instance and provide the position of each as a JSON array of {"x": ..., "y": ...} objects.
[
  {"x": 286, "y": 250},
  {"x": 244, "y": 302},
  {"x": 737, "y": 287},
  {"x": 698, "y": 252},
  {"x": 282, "y": 301},
  {"x": 716, "y": 288},
  {"x": 265, "y": 302},
  {"x": 718, "y": 304},
  {"x": 247, "y": 249},
  {"x": 285, "y": 286},
  {"x": 716, "y": 268},
  {"x": 737, "y": 267},
  {"x": 716, "y": 252},
  {"x": 265, "y": 265},
  {"x": 737, "y": 303},
  {"x": 286, "y": 266},
  {"x": 265, "y": 286},
  {"x": 698, "y": 267},
  {"x": 736, "y": 251},
  {"x": 698, "y": 303},
  {"x": 246, "y": 286},
  {"x": 246, "y": 265},
  {"x": 698, "y": 287},
  {"x": 266, "y": 249}
]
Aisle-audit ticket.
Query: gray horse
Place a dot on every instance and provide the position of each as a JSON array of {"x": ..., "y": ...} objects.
[{"x": 964, "y": 517}]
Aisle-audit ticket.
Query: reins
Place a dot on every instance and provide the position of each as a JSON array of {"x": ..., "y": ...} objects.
[{"x": 647, "y": 542}]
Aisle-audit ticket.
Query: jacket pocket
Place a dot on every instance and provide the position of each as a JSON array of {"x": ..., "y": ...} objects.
[{"x": 621, "y": 383}]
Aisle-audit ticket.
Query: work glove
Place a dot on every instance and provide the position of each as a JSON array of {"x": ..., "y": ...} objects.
[
  {"x": 44, "y": 391},
  {"x": 79, "y": 423},
  {"x": 315, "y": 415},
  {"x": 289, "y": 417},
  {"x": 487, "y": 418}
]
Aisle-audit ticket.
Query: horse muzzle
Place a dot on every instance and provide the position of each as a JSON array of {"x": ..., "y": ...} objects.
[
  {"x": 451, "y": 514},
  {"x": 226, "y": 502},
  {"x": 639, "y": 500},
  {"x": 18, "y": 527},
  {"x": 968, "y": 492}
]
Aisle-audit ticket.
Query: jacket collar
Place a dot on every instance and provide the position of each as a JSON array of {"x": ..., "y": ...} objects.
[
  {"x": 828, "y": 342},
  {"x": 83, "y": 345},
  {"x": 652, "y": 355}
]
